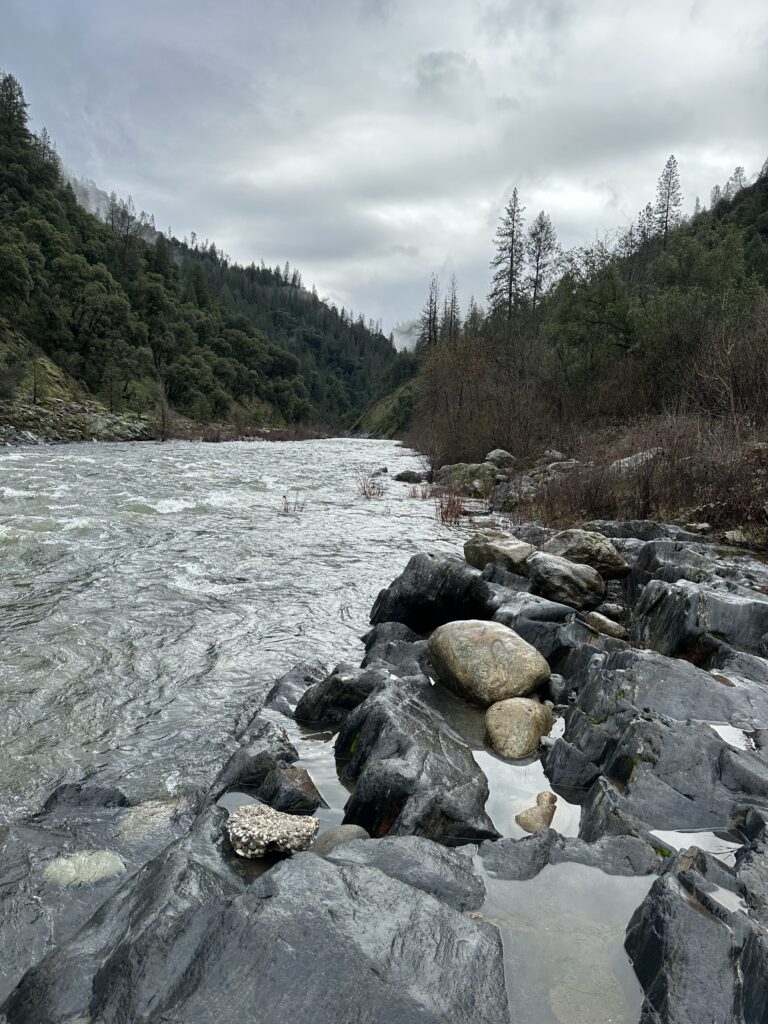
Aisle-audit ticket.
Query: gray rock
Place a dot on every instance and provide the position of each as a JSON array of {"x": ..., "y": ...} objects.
[
  {"x": 485, "y": 662},
  {"x": 616, "y": 612},
  {"x": 521, "y": 859},
  {"x": 607, "y": 626},
  {"x": 588, "y": 548},
  {"x": 448, "y": 875},
  {"x": 410, "y": 476},
  {"x": 339, "y": 835},
  {"x": 697, "y": 946},
  {"x": 501, "y": 458},
  {"x": 264, "y": 747},
  {"x": 674, "y": 617},
  {"x": 291, "y": 790},
  {"x": 288, "y": 689},
  {"x": 432, "y": 590},
  {"x": 470, "y": 478},
  {"x": 515, "y": 726},
  {"x": 412, "y": 774},
  {"x": 566, "y": 582},
  {"x": 255, "y": 830},
  {"x": 499, "y": 549},
  {"x": 330, "y": 701},
  {"x": 636, "y": 461}
]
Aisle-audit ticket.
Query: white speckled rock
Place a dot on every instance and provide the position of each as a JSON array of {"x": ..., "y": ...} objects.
[
  {"x": 255, "y": 830},
  {"x": 485, "y": 662},
  {"x": 515, "y": 726}
]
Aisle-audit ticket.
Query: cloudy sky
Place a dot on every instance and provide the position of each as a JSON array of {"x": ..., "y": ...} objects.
[{"x": 372, "y": 141}]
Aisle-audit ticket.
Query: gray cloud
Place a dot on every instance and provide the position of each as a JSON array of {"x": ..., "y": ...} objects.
[{"x": 370, "y": 142}]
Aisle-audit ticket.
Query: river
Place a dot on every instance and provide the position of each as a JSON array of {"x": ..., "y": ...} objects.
[{"x": 150, "y": 593}]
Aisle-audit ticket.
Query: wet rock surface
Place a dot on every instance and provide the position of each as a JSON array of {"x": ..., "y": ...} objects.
[{"x": 115, "y": 911}]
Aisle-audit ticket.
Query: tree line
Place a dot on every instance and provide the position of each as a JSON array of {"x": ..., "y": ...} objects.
[
  {"x": 669, "y": 313},
  {"x": 140, "y": 317}
]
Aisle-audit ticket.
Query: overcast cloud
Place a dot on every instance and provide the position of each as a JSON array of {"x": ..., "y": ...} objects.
[{"x": 369, "y": 142}]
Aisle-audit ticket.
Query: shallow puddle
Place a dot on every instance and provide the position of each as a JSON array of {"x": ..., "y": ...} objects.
[
  {"x": 563, "y": 934},
  {"x": 723, "y": 845}
]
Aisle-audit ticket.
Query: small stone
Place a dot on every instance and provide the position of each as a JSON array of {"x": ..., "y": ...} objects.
[
  {"x": 533, "y": 819},
  {"x": 327, "y": 841},
  {"x": 606, "y": 626},
  {"x": 255, "y": 830}
]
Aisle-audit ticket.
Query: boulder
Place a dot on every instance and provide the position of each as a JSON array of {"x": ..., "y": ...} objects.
[
  {"x": 698, "y": 943},
  {"x": 410, "y": 476},
  {"x": 501, "y": 458},
  {"x": 255, "y": 830},
  {"x": 471, "y": 478},
  {"x": 606, "y": 626},
  {"x": 588, "y": 548},
  {"x": 412, "y": 774},
  {"x": 674, "y": 617},
  {"x": 448, "y": 875},
  {"x": 339, "y": 835},
  {"x": 485, "y": 662},
  {"x": 558, "y": 579},
  {"x": 515, "y": 726},
  {"x": 330, "y": 701},
  {"x": 288, "y": 689},
  {"x": 291, "y": 790},
  {"x": 264, "y": 746},
  {"x": 533, "y": 819},
  {"x": 498, "y": 549},
  {"x": 432, "y": 590}
]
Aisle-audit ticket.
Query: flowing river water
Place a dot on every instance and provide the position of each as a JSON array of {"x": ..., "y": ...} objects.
[{"x": 150, "y": 594}]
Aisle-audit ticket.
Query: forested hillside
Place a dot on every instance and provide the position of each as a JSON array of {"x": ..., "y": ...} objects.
[
  {"x": 669, "y": 315},
  {"x": 142, "y": 320}
]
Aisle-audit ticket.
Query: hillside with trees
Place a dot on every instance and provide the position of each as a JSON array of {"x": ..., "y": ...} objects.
[
  {"x": 667, "y": 317},
  {"x": 141, "y": 321}
]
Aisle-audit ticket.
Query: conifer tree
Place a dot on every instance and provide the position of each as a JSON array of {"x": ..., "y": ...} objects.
[
  {"x": 669, "y": 199},
  {"x": 509, "y": 262},
  {"x": 429, "y": 321},
  {"x": 451, "y": 322},
  {"x": 13, "y": 110},
  {"x": 542, "y": 251}
]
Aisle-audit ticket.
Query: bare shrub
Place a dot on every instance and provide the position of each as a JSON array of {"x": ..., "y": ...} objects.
[
  {"x": 449, "y": 506},
  {"x": 368, "y": 483}
]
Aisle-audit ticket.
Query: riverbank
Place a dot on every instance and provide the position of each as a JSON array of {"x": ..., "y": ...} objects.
[{"x": 645, "y": 650}]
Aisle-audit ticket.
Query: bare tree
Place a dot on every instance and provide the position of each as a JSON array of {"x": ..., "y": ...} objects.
[{"x": 429, "y": 321}]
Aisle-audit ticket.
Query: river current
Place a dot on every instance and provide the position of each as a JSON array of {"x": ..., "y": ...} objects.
[{"x": 149, "y": 595}]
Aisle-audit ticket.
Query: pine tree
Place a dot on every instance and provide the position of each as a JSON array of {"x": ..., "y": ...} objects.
[
  {"x": 473, "y": 322},
  {"x": 763, "y": 171},
  {"x": 697, "y": 207},
  {"x": 715, "y": 196},
  {"x": 429, "y": 320},
  {"x": 508, "y": 263},
  {"x": 450, "y": 325},
  {"x": 737, "y": 181},
  {"x": 542, "y": 251},
  {"x": 13, "y": 110},
  {"x": 669, "y": 199},
  {"x": 646, "y": 224}
]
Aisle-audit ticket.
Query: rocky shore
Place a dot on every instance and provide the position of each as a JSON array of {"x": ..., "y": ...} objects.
[
  {"x": 59, "y": 421},
  {"x": 631, "y": 659}
]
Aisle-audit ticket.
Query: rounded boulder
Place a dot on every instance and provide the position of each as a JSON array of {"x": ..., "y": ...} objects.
[
  {"x": 515, "y": 726},
  {"x": 485, "y": 662}
]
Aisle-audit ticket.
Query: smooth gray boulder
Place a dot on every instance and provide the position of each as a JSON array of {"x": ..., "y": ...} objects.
[
  {"x": 515, "y": 727},
  {"x": 485, "y": 662},
  {"x": 588, "y": 548},
  {"x": 560, "y": 580},
  {"x": 606, "y": 626},
  {"x": 496, "y": 548},
  {"x": 288, "y": 689},
  {"x": 674, "y": 617},
  {"x": 329, "y": 701},
  {"x": 412, "y": 774},
  {"x": 432, "y": 590},
  {"x": 448, "y": 875},
  {"x": 291, "y": 790},
  {"x": 501, "y": 458},
  {"x": 521, "y": 859},
  {"x": 698, "y": 943},
  {"x": 339, "y": 835}
]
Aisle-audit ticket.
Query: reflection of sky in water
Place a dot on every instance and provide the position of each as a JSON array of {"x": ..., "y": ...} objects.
[{"x": 563, "y": 935}]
